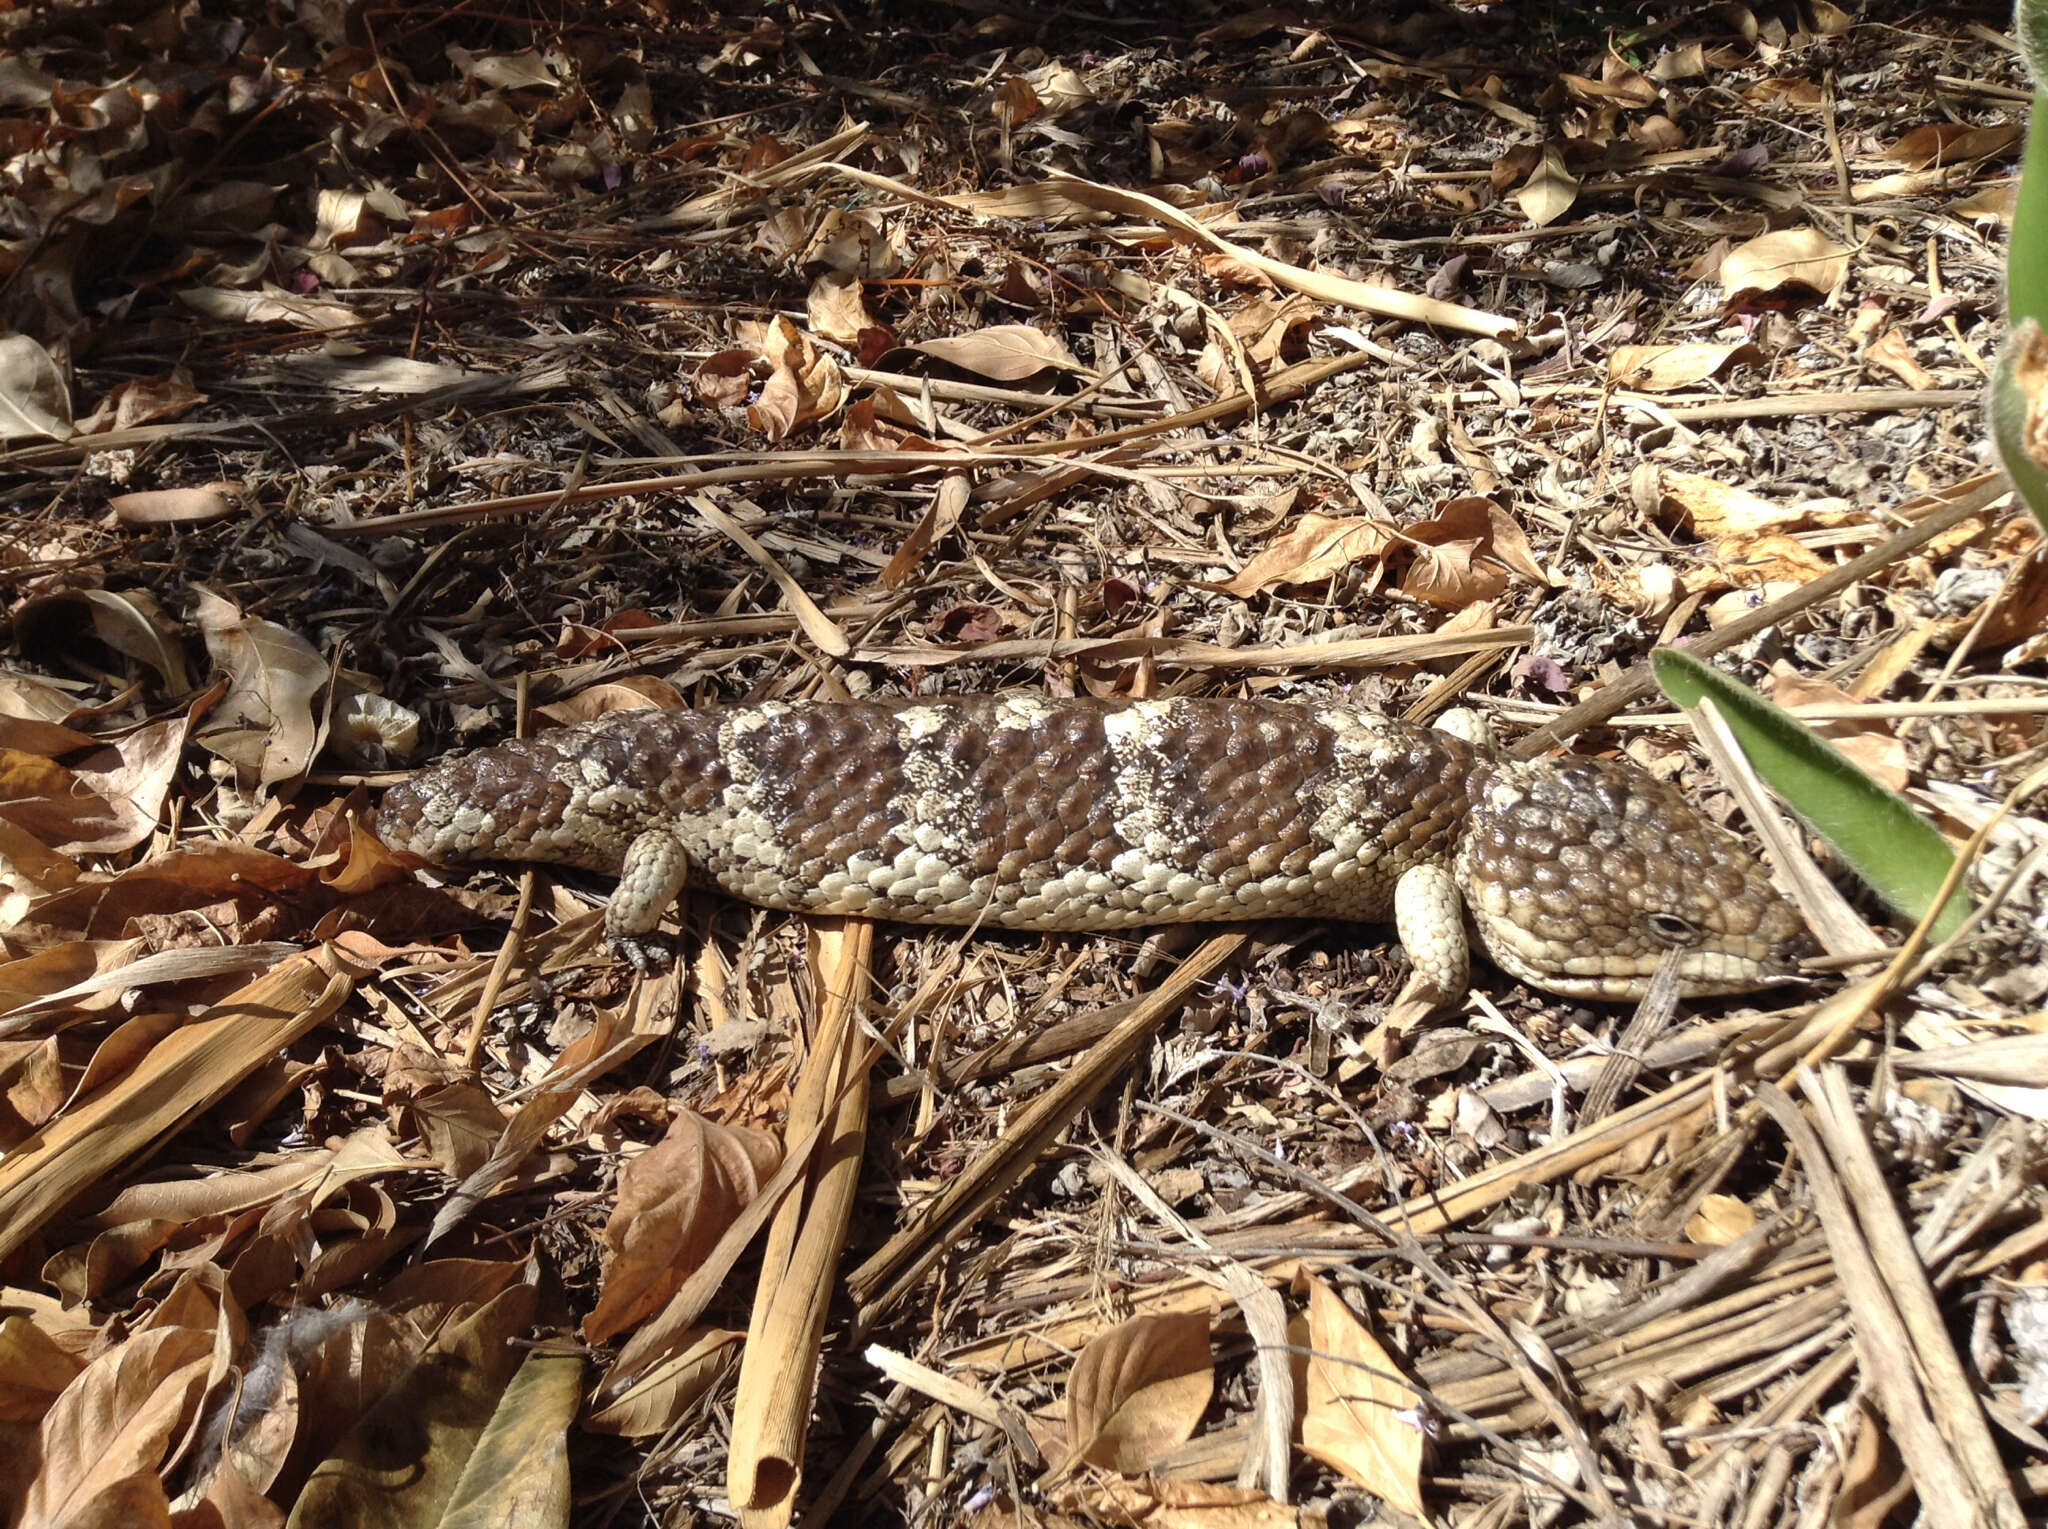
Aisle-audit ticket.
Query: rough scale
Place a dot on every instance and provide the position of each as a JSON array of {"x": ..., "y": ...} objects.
[{"x": 1031, "y": 813}]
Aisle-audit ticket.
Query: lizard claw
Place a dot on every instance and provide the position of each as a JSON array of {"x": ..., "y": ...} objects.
[{"x": 649, "y": 954}]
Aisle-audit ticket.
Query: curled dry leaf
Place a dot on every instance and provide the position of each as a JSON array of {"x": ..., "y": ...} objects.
[
  {"x": 804, "y": 384},
  {"x": 1466, "y": 553},
  {"x": 1315, "y": 547},
  {"x": 1139, "y": 1390},
  {"x": 1791, "y": 257},
  {"x": 724, "y": 380},
  {"x": 1709, "y": 507},
  {"x": 1004, "y": 352},
  {"x": 142, "y": 399},
  {"x": 1890, "y": 351},
  {"x": 675, "y": 1201},
  {"x": 1666, "y": 368},
  {"x": 1720, "y": 1220},
  {"x": 33, "y": 398},
  {"x": 274, "y": 676},
  {"x": 176, "y": 506},
  {"x": 1359, "y": 1416}
]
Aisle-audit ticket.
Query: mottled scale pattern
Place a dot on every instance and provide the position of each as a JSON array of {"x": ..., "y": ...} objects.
[
  {"x": 1015, "y": 811},
  {"x": 1027, "y": 812}
]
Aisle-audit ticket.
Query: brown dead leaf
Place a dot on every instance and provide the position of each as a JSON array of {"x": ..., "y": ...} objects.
[
  {"x": 141, "y": 400},
  {"x": 111, "y": 799},
  {"x": 1315, "y": 547},
  {"x": 33, "y": 1370},
  {"x": 1720, "y": 1220},
  {"x": 804, "y": 384},
  {"x": 1163, "y": 1503},
  {"x": 1003, "y": 352},
  {"x": 34, "y": 399},
  {"x": 854, "y": 243},
  {"x": 1466, "y": 553},
  {"x": 1139, "y": 1390},
  {"x": 1952, "y": 143},
  {"x": 940, "y": 517},
  {"x": 1015, "y": 102},
  {"x": 1890, "y": 351},
  {"x": 104, "y": 1437},
  {"x": 271, "y": 726},
  {"x": 835, "y": 308},
  {"x": 1550, "y": 190},
  {"x": 658, "y": 1402},
  {"x": 403, "y": 1460},
  {"x": 1666, "y": 368},
  {"x": 1709, "y": 507},
  {"x": 1620, "y": 84},
  {"x": 177, "y": 506},
  {"x": 725, "y": 379},
  {"x": 674, "y": 1202},
  {"x": 1875, "y": 1480},
  {"x": 1786, "y": 90},
  {"x": 128, "y": 621},
  {"x": 1359, "y": 1418},
  {"x": 1768, "y": 559},
  {"x": 1802, "y": 257}
]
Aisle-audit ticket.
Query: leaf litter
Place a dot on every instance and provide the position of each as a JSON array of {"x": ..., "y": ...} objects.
[{"x": 372, "y": 379}]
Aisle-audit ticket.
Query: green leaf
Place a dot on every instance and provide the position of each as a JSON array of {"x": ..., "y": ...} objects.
[
  {"x": 2030, "y": 25},
  {"x": 2022, "y": 368},
  {"x": 1876, "y": 831},
  {"x": 2026, "y": 259}
]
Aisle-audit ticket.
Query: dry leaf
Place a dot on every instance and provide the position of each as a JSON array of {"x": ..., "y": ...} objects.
[
  {"x": 1711, "y": 508},
  {"x": 854, "y": 243},
  {"x": 725, "y": 379},
  {"x": 1004, "y": 352},
  {"x": 1890, "y": 351},
  {"x": 142, "y": 399},
  {"x": 804, "y": 384},
  {"x": 1869, "y": 741},
  {"x": 1466, "y": 553},
  {"x": 1666, "y": 368},
  {"x": 1952, "y": 143},
  {"x": 176, "y": 506},
  {"x": 1720, "y": 1220},
  {"x": 1360, "y": 1417},
  {"x": 835, "y": 309},
  {"x": 1803, "y": 257},
  {"x": 1166, "y": 1503},
  {"x": 104, "y": 1437},
  {"x": 1550, "y": 190},
  {"x": 674, "y": 1202},
  {"x": 1315, "y": 547},
  {"x": 274, "y": 677},
  {"x": 658, "y": 1400},
  {"x": 34, "y": 400},
  {"x": 1139, "y": 1390},
  {"x": 33, "y": 1370}
]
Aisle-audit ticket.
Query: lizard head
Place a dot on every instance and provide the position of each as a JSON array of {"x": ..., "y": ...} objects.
[{"x": 1584, "y": 875}]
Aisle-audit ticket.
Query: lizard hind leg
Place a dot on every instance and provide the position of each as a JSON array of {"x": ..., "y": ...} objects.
[{"x": 655, "y": 871}]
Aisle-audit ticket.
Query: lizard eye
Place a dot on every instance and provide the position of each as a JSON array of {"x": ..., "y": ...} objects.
[{"x": 1670, "y": 929}]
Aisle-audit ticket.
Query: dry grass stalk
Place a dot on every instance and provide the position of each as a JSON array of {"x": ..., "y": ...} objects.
[{"x": 772, "y": 1409}]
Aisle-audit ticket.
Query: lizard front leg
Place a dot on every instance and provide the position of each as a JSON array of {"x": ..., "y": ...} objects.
[{"x": 653, "y": 874}]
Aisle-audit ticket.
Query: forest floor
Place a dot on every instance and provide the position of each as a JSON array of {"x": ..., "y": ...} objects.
[{"x": 378, "y": 381}]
